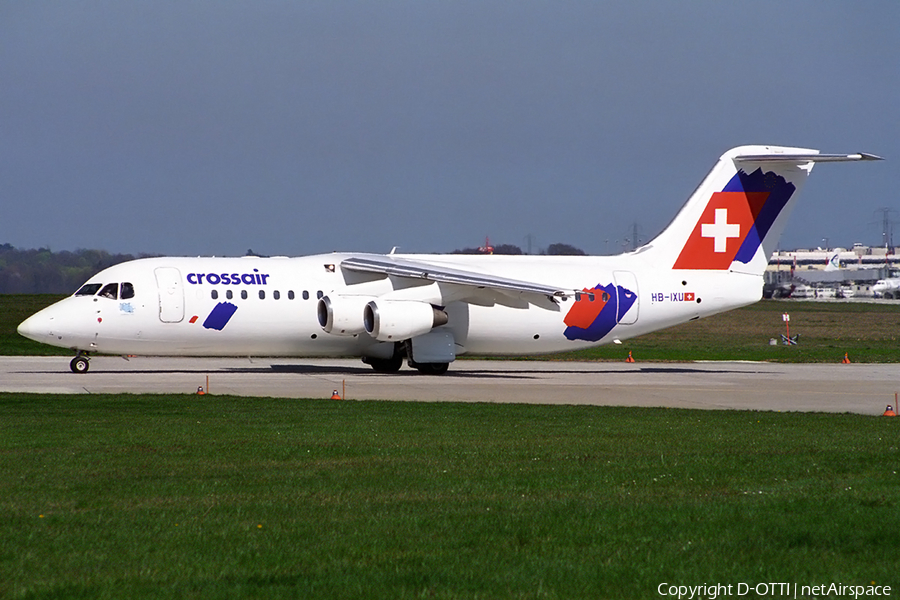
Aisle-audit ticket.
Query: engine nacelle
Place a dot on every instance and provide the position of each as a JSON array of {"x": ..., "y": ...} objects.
[
  {"x": 342, "y": 315},
  {"x": 397, "y": 320}
]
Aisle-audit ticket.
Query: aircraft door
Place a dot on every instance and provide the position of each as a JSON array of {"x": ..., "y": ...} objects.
[
  {"x": 171, "y": 294},
  {"x": 628, "y": 304}
]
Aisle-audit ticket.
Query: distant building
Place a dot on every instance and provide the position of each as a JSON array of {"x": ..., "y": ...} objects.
[{"x": 828, "y": 273}]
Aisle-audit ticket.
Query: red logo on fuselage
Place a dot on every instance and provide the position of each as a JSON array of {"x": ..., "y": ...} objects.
[{"x": 588, "y": 306}]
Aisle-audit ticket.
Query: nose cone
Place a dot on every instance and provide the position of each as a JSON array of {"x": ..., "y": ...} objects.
[
  {"x": 37, "y": 327},
  {"x": 70, "y": 323}
]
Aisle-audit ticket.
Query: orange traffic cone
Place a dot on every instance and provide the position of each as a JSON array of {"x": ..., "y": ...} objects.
[
  {"x": 200, "y": 391},
  {"x": 630, "y": 358},
  {"x": 846, "y": 359},
  {"x": 889, "y": 412},
  {"x": 335, "y": 395}
]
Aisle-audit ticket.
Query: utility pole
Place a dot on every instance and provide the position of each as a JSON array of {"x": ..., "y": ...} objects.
[
  {"x": 530, "y": 241},
  {"x": 635, "y": 237},
  {"x": 887, "y": 224}
]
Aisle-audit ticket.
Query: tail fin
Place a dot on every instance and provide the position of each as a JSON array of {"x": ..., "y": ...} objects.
[
  {"x": 834, "y": 262},
  {"x": 734, "y": 219}
]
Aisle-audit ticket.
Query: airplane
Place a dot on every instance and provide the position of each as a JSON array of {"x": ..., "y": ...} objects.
[
  {"x": 887, "y": 288},
  {"x": 431, "y": 308}
]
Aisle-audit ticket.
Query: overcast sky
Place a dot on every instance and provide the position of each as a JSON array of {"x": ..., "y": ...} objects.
[{"x": 207, "y": 128}]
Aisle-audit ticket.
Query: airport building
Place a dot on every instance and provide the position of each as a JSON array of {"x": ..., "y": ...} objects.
[{"x": 829, "y": 273}]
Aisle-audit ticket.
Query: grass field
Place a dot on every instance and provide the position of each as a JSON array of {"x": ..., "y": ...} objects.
[
  {"x": 15, "y": 308},
  {"x": 867, "y": 332},
  {"x": 223, "y": 497}
]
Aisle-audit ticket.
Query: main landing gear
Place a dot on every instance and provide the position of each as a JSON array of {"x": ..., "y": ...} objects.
[
  {"x": 393, "y": 364},
  {"x": 81, "y": 363},
  {"x": 431, "y": 368},
  {"x": 385, "y": 365}
]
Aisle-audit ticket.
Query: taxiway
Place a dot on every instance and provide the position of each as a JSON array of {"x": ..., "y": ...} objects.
[{"x": 857, "y": 388}]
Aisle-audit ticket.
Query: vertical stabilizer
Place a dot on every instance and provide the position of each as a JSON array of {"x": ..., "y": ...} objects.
[{"x": 734, "y": 219}]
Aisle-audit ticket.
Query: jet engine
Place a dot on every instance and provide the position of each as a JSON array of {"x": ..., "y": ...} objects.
[
  {"x": 397, "y": 320},
  {"x": 342, "y": 315}
]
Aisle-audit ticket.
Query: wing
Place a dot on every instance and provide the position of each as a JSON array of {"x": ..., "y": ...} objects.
[{"x": 535, "y": 293}]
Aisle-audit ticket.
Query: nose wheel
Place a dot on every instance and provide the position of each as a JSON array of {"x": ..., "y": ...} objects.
[{"x": 80, "y": 364}]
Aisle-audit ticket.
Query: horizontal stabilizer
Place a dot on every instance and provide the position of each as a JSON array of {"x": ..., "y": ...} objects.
[{"x": 804, "y": 158}]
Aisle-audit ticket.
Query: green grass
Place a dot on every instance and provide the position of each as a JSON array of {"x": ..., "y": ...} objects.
[
  {"x": 867, "y": 332},
  {"x": 222, "y": 497},
  {"x": 15, "y": 308}
]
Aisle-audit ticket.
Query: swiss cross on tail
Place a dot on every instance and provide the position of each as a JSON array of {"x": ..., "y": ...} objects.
[{"x": 735, "y": 221}]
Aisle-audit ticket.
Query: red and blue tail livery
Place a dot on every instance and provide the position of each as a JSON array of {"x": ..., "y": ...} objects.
[{"x": 735, "y": 221}]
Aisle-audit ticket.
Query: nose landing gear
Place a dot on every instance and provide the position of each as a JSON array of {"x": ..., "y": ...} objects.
[{"x": 81, "y": 363}]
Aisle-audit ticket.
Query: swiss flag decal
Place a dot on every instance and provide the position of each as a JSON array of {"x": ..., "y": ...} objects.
[{"x": 721, "y": 230}]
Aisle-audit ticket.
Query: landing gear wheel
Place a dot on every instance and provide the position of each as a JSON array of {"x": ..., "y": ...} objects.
[
  {"x": 432, "y": 368},
  {"x": 386, "y": 365},
  {"x": 80, "y": 364}
]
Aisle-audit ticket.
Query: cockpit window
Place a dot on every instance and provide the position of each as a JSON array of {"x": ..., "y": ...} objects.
[
  {"x": 89, "y": 289},
  {"x": 127, "y": 291},
  {"x": 111, "y": 290}
]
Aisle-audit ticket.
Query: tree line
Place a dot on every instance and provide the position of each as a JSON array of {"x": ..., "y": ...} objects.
[
  {"x": 552, "y": 250},
  {"x": 42, "y": 271}
]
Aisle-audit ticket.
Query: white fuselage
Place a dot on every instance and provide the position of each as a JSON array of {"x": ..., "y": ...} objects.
[{"x": 275, "y": 301}]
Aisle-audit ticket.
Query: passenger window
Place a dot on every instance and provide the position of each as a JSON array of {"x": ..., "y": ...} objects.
[
  {"x": 319, "y": 294},
  {"x": 243, "y": 294},
  {"x": 262, "y": 294},
  {"x": 276, "y": 294},
  {"x": 111, "y": 291},
  {"x": 89, "y": 289},
  {"x": 215, "y": 295},
  {"x": 228, "y": 294},
  {"x": 290, "y": 294},
  {"x": 127, "y": 291},
  {"x": 305, "y": 295}
]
